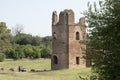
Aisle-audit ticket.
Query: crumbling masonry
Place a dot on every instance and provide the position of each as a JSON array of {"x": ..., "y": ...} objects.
[{"x": 68, "y": 44}]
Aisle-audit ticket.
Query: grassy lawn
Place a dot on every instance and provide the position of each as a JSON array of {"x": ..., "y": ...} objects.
[{"x": 41, "y": 64}]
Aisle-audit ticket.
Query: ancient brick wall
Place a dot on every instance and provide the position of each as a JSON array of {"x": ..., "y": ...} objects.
[{"x": 68, "y": 41}]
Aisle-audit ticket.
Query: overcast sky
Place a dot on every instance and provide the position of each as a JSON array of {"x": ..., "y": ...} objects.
[{"x": 36, "y": 15}]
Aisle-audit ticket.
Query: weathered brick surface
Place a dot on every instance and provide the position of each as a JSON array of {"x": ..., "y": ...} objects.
[{"x": 64, "y": 44}]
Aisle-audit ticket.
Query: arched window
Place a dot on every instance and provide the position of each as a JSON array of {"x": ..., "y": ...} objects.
[
  {"x": 77, "y": 60},
  {"x": 55, "y": 59},
  {"x": 77, "y": 36},
  {"x": 54, "y": 35}
]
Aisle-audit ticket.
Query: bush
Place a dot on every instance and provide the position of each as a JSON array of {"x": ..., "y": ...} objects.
[
  {"x": 28, "y": 52},
  {"x": 36, "y": 53},
  {"x": 45, "y": 53},
  {"x": 19, "y": 54},
  {"x": 9, "y": 53},
  {"x": 31, "y": 52},
  {"x": 89, "y": 77},
  {"x": 15, "y": 53},
  {"x": 2, "y": 57}
]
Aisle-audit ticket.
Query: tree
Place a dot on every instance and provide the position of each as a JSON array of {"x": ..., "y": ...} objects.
[
  {"x": 3, "y": 28},
  {"x": 104, "y": 38},
  {"x": 18, "y": 29},
  {"x": 36, "y": 40},
  {"x": 47, "y": 41},
  {"x": 23, "y": 39},
  {"x": 5, "y": 37}
]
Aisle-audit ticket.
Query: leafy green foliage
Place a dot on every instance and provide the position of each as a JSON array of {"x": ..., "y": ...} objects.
[
  {"x": 2, "y": 57},
  {"x": 89, "y": 77},
  {"x": 22, "y": 45},
  {"x": 45, "y": 53},
  {"x": 15, "y": 53},
  {"x": 3, "y": 28},
  {"x": 104, "y": 38},
  {"x": 36, "y": 53},
  {"x": 24, "y": 51},
  {"x": 31, "y": 51},
  {"x": 36, "y": 41},
  {"x": 23, "y": 39},
  {"x": 5, "y": 37}
]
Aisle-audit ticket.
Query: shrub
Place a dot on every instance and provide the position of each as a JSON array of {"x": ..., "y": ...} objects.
[
  {"x": 45, "y": 53},
  {"x": 2, "y": 57},
  {"x": 89, "y": 77},
  {"x": 36, "y": 53},
  {"x": 28, "y": 52},
  {"x": 19, "y": 54},
  {"x": 15, "y": 53},
  {"x": 9, "y": 53}
]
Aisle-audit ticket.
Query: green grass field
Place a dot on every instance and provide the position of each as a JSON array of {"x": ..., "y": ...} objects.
[{"x": 41, "y": 64}]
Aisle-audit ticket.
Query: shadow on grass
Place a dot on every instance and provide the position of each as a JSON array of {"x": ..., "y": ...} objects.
[{"x": 33, "y": 70}]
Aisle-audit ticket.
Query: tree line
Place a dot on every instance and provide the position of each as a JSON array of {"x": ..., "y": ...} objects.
[
  {"x": 103, "y": 43},
  {"x": 21, "y": 45}
]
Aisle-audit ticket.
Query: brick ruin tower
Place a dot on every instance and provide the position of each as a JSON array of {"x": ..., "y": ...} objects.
[{"x": 68, "y": 43}]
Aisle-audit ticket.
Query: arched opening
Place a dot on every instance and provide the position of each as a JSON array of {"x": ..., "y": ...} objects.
[
  {"x": 77, "y": 60},
  {"x": 77, "y": 36},
  {"x": 54, "y": 35},
  {"x": 55, "y": 59}
]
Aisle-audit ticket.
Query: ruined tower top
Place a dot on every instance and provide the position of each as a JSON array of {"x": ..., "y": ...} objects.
[
  {"x": 66, "y": 17},
  {"x": 54, "y": 18},
  {"x": 82, "y": 21}
]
